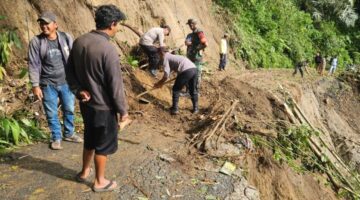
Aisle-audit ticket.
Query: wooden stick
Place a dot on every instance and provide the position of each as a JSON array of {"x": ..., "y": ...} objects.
[
  {"x": 226, "y": 115},
  {"x": 128, "y": 141},
  {"x": 152, "y": 89},
  {"x": 137, "y": 32},
  {"x": 334, "y": 155}
]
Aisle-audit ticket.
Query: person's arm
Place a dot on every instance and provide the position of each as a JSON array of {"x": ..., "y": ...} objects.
[
  {"x": 161, "y": 38},
  {"x": 188, "y": 40},
  {"x": 306, "y": 68},
  {"x": 166, "y": 74},
  {"x": 34, "y": 65},
  {"x": 73, "y": 81},
  {"x": 114, "y": 80},
  {"x": 203, "y": 41}
]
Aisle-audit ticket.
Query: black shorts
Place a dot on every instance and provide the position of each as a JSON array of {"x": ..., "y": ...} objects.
[{"x": 101, "y": 130}]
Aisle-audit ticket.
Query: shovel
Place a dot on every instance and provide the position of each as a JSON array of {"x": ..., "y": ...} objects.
[{"x": 143, "y": 100}]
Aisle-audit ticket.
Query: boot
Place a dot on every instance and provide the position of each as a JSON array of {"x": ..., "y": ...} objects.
[
  {"x": 174, "y": 110},
  {"x": 195, "y": 103}
]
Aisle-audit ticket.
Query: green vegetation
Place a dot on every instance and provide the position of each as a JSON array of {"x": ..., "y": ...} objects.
[
  {"x": 292, "y": 146},
  {"x": 15, "y": 128},
  {"x": 280, "y": 33},
  {"x": 8, "y": 38},
  {"x": 132, "y": 61}
]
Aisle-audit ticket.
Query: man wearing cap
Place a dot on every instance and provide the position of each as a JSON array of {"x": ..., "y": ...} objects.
[
  {"x": 48, "y": 54},
  {"x": 147, "y": 41},
  {"x": 195, "y": 42}
]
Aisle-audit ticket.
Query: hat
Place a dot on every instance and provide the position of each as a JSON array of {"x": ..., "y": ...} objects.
[
  {"x": 47, "y": 16},
  {"x": 191, "y": 21}
]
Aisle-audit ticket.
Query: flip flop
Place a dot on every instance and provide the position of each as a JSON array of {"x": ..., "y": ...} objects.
[
  {"x": 82, "y": 180},
  {"x": 107, "y": 188}
]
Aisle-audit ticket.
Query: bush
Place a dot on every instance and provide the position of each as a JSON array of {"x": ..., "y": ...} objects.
[
  {"x": 279, "y": 33},
  {"x": 8, "y": 38}
]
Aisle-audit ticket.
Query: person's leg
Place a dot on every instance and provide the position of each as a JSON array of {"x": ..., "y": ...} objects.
[
  {"x": 176, "y": 95},
  {"x": 50, "y": 103},
  {"x": 221, "y": 62},
  {"x": 199, "y": 73},
  {"x": 301, "y": 72},
  {"x": 318, "y": 68},
  {"x": 106, "y": 141},
  {"x": 331, "y": 69},
  {"x": 100, "y": 165},
  {"x": 193, "y": 92},
  {"x": 88, "y": 156},
  {"x": 224, "y": 61},
  {"x": 181, "y": 80},
  {"x": 89, "y": 140},
  {"x": 154, "y": 59},
  {"x": 67, "y": 100},
  {"x": 149, "y": 51},
  {"x": 295, "y": 71}
]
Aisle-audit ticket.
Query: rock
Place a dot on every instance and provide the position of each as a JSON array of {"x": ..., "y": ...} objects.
[
  {"x": 166, "y": 158},
  {"x": 12, "y": 83},
  {"x": 251, "y": 193}
]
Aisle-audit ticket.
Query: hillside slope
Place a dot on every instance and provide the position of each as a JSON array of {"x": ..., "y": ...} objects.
[
  {"x": 158, "y": 156},
  {"x": 76, "y": 17}
]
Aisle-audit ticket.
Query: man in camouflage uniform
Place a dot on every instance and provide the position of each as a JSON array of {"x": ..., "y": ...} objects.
[{"x": 196, "y": 43}]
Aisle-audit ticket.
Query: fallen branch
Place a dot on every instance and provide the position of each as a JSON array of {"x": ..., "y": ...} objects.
[
  {"x": 128, "y": 141},
  {"x": 333, "y": 159},
  {"x": 201, "y": 138},
  {"x": 136, "y": 31}
]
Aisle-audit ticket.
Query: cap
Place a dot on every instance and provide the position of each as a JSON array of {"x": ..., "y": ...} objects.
[
  {"x": 47, "y": 16},
  {"x": 191, "y": 21}
]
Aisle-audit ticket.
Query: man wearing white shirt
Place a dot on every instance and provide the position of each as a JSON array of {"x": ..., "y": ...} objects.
[
  {"x": 147, "y": 43},
  {"x": 223, "y": 52}
]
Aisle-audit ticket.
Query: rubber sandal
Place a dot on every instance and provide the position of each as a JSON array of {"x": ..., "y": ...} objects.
[
  {"x": 107, "y": 188},
  {"x": 82, "y": 180}
]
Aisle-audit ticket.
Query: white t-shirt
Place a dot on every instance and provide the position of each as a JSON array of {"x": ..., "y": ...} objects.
[{"x": 152, "y": 36}]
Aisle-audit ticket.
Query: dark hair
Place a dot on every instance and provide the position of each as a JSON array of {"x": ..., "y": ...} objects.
[
  {"x": 167, "y": 27},
  {"x": 105, "y": 15}
]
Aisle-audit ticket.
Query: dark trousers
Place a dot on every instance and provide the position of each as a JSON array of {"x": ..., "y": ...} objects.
[
  {"x": 188, "y": 77},
  {"x": 153, "y": 55},
  {"x": 223, "y": 61},
  {"x": 297, "y": 68}
]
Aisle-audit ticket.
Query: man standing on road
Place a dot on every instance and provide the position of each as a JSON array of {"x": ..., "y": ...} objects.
[
  {"x": 196, "y": 43},
  {"x": 147, "y": 42},
  {"x": 48, "y": 55},
  {"x": 95, "y": 77}
]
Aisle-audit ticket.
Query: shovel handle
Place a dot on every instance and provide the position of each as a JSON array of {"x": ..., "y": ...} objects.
[{"x": 149, "y": 90}]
